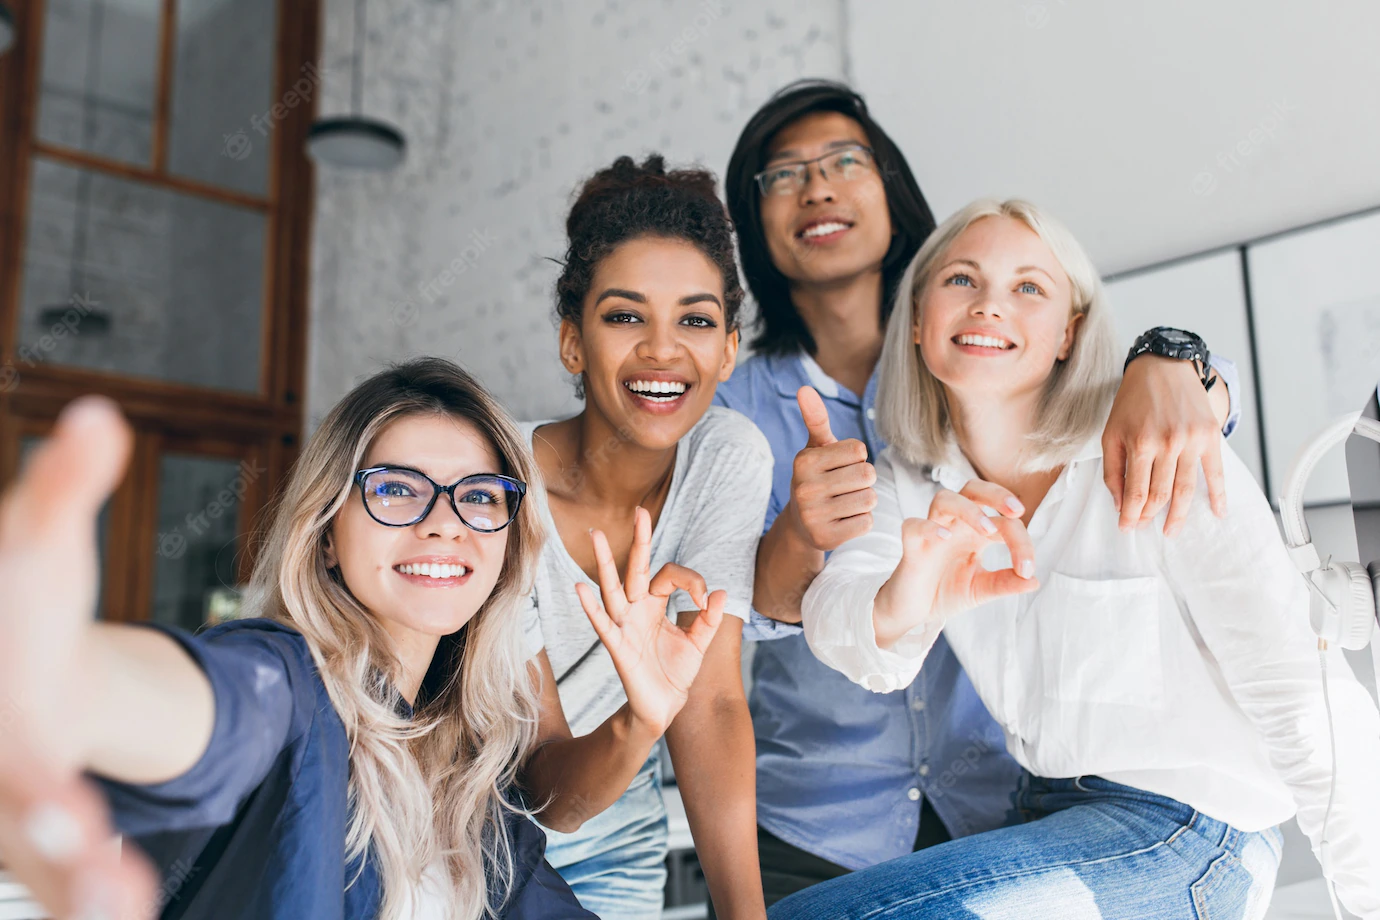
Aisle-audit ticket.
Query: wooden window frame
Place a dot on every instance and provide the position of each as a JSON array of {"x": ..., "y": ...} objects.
[{"x": 166, "y": 416}]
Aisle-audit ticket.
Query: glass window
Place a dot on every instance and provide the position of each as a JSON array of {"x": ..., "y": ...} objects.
[
  {"x": 128, "y": 277},
  {"x": 223, "y": 117},
  {"x": 198, "y": 515},
  {"x": 100, "y": 76}
]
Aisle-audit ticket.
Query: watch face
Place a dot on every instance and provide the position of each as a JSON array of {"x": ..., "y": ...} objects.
[{"x": 1177, "y": 337}]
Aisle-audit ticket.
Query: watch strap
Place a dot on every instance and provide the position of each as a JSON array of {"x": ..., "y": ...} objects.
[{"x": 1155, "y": 341}]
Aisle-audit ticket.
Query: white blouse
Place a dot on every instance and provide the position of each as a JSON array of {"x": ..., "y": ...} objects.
[
  {"x": 1182, "y": 666},
  {"x": 432, "y": 897}
]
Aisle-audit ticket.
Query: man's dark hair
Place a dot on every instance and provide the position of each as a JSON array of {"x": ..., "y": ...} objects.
[{"x": 780, "y": 330}]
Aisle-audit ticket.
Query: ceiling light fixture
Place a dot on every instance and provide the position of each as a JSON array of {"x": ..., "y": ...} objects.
[{"x": 356, "y": 141}]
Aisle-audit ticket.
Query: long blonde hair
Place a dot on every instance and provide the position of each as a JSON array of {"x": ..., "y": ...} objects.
[
  {"x": 431, "y": 787},
  {"x": 913, "y": 412}
]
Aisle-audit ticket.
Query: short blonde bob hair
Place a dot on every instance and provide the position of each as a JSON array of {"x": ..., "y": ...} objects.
[{"x": 913, "y": 410}]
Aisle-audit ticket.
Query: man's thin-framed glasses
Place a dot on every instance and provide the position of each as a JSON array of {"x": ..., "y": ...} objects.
[
  {"x": 398, "y": 496},
  {"x": 845, "y": 163}
]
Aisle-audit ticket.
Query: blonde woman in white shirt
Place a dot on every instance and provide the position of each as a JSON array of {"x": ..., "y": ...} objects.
[{"x": 1162, "y": 692}]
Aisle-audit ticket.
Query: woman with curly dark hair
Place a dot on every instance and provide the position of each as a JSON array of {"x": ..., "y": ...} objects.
[{"x": 649, "y": 476}]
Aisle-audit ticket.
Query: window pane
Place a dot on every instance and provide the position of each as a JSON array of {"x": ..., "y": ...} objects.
[
  {"x": 198, "y": 513},
  {"x": 26, "y": 447},
  {"x": 223, "y": 119},
  {"x": 100, "y": 71},
  {"x": 126, "y": 277}
]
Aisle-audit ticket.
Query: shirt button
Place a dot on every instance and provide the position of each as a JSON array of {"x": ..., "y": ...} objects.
[
  {"x": 924, "y": 769},
  {"x": 913, "y": 794},
  {"x": 871, "y": 413},
  {"x": 917, "y": 705}
]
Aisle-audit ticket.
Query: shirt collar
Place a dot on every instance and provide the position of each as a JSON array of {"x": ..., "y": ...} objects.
[
  {"x": 793, "y": 371},
  {"x": 827, "y": 386},
  {"x": 1091, "y": 449},
  {"x": 787, "y": 373},
  {"x": 955, "y": 471}
]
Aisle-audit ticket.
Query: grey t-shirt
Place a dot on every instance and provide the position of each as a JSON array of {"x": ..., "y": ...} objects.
[{"x": 711, "y": 522}]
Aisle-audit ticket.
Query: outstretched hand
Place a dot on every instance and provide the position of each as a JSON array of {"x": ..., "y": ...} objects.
[
  {"x": 55, "y": 835},
  {"x": 656, "y": 659},
  {"x": 940, "y": 573}
]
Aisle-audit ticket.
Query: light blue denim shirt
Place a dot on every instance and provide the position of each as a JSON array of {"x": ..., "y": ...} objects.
[{"x": 840, "y": 770}]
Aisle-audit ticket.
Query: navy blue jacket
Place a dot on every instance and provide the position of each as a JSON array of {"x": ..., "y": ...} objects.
[{"x": 256, "y": 829}]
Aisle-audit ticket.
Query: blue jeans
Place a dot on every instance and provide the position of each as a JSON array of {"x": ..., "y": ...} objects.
[
  {"x": 616, "y": 862},
  {"x": 1088, "y": 849}
]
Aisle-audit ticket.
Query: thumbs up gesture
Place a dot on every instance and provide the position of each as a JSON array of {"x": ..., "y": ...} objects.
[{"x": 831, "y": 481}]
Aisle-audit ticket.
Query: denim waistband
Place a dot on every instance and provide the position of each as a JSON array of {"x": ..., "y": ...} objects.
[{"x": 1038, "y": 795}]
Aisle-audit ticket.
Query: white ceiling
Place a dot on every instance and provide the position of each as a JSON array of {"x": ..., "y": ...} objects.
[{"x": 1122, "y": 117}]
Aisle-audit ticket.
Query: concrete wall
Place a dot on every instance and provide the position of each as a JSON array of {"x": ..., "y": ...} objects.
[{"x": 506, "y": 107}]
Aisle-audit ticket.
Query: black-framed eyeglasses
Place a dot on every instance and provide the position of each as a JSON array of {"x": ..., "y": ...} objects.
[
  {"x": 845, "y": 163},
  {"x": 397, "y": 496}
]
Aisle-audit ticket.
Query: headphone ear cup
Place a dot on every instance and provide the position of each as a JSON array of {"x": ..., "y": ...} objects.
[
  {"x": 1347, "y": 616},
  {"x": 1357, "y": 612}
]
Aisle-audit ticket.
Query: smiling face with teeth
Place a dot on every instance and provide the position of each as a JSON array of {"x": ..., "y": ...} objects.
[
  {"x": 997, "y": 312},
  {"x": 831, "y": 230},
  {"x": 652, "y": 343},
  {"x": 429, "y": 579}
]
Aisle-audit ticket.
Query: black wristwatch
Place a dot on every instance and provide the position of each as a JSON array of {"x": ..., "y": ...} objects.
[{"x": 1181, "y": 344}]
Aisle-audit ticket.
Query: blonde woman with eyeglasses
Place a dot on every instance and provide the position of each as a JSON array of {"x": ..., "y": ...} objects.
[{"x": 348, "y": 752}]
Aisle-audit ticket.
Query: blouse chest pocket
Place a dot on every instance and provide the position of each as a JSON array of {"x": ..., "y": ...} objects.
[{"x": 1100, "y": 641}]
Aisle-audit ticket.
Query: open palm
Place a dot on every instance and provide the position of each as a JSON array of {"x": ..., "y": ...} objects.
[
  {"x": 54, "y": 829},
  {"x": 656, "y": 659}
]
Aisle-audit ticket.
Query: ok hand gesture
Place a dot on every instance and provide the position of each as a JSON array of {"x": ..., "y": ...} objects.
[
  {"x": 941, "y": 573},
  {"x": 656, "y": 659}
]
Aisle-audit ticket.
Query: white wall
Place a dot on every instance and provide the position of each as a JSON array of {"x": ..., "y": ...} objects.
[
  {"x": 1113, "y": 114},
  {"x": 506, "y": 107}
]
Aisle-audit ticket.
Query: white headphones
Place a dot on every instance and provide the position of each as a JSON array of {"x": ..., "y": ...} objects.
[{"x": 1345, "y": 595}]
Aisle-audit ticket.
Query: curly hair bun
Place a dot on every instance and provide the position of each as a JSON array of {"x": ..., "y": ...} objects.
[
  {"x": 627, "y": 177},
  {"x": 628, "y": 200}
]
